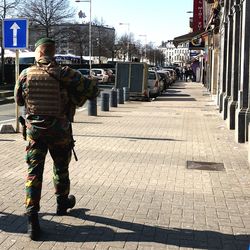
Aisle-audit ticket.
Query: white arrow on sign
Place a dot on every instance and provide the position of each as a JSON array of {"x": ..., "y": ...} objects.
[{"x": 14, "y": 27}]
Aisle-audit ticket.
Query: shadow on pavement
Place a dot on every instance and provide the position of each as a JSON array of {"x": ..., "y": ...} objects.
[
  {"x": 88, "y": 122},
  {"x": 176, "y": 99},
  {"x": 176, "y": 87},
  {"x": 174, "y": 94},
  {"x": 103, "y": 229},
  {"x": 7, "y": 140},
  {"x": 115, "y": 116},
  {"x": 168, "y": 91},
  {"x": 131, "y": 137}
]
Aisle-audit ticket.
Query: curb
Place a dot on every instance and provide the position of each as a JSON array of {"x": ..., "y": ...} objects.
[
  {"x": 6, "y": 93},
  {"x": 7, "y": 100}
]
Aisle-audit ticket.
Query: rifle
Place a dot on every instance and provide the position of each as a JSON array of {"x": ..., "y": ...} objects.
[
  {"x": 73, "y": 142},
  {"x": 70, "y": 115},
  {"x": 22, "y": 122}
]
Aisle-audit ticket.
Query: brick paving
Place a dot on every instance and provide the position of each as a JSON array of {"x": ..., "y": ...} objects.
[{"x": 131, "y": 182}]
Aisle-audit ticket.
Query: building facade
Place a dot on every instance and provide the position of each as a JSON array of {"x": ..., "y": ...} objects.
[
  {"x": 228, "y": 52},
  {"x": 179, "y": 55}
]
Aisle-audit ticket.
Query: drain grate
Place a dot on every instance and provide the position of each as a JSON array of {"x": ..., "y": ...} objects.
[{"x": 202, "y": 165}]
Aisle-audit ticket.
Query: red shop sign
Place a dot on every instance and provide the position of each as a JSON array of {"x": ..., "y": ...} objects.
[{"x": 198, "y": 15}]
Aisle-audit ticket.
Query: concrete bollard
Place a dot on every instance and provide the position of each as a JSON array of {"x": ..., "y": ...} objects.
[
  {"x": 126, "y": 93},
  {"x": 121, "y": 96},
  {"x": 113, "y": 98},
  {"x": 104, "y": 101},
  {"x": 92, "y": 107}
]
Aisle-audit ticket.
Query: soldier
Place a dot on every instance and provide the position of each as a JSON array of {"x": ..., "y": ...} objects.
[{"x": 48, "y": 92}]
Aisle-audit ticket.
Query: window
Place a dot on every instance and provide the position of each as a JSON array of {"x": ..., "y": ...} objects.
[{"x": 151, "y": 75}]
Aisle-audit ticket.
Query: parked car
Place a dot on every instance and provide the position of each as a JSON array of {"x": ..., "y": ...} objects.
[
  {"x": 85, "y": 72},
  {"x": 166, "y": 78},
  {"x": 171, "y": 74},
  {"x": 154, "y": 83},
  {"x": 101, "y": 74}
]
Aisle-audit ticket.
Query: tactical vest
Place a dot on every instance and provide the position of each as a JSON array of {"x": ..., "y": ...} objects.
[{"x": 44, "y": 93}]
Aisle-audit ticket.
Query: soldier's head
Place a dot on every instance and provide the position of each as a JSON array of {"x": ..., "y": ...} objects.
[{"x": 45, "y": 48}]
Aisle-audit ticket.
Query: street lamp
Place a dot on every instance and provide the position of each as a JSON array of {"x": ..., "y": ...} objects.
[
  {"x": 154, "y": 49},
  {"x": 190, "y": 19},
  {"x": 145, "y": 36},
  {"x": 90, "y": 40},
  {"x": 128, "y": 39}
]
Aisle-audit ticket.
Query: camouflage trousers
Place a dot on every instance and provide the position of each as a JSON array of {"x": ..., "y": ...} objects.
[{"x": 55, "y": 137}]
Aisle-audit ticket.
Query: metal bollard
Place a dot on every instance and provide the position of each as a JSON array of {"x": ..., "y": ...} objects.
[
  {"x": 104, "y": 101},
  {"x": 92, "y": 107},
  {"x": 113, "y": 98},
  {"x": 126, "y": 93},
  {"x": 121, "y": 96}
]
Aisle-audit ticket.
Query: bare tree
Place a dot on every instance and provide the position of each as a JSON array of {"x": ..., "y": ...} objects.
[
  {"x": 123, "y": 43},
  {"x": 155, "y": 56},
  {"x": 128, "y": 46},
  {"x": 47, "y": 13},
  {"x": 136, "y": 49},
  {"x": 103, "y": 39},
  {"x": 78, "y": 38},
  {"x": 6, "y": 7},
  {"x": 109, "y": 45}
]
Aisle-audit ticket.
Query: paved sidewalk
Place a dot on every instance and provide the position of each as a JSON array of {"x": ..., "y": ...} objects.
[{"x": 132, "y": 184}]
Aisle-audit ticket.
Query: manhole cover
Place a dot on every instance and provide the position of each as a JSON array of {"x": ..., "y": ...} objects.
[{"x": 202, "y": 165}]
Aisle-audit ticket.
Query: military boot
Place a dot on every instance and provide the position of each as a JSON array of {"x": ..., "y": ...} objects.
[
  {"x": 65, "y": 203},
  {"x": 33, "y": 226}
]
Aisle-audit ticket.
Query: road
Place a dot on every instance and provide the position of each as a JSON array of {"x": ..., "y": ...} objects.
[{"x": 7, "y": 112}]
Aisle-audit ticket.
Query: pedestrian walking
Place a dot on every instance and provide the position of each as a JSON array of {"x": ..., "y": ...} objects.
[
  {"x": 50, "y": 94},
  {"x": 191, "y": 74},
  {"x": 186, "y": 74},
  {"x": 178, "y": 73},
  {"x": 183, "y": 71}
]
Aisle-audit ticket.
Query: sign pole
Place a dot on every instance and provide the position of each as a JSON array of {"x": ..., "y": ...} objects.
[
  {"x": 17, "y": 75},
  {"x": 15, "y": 36}
]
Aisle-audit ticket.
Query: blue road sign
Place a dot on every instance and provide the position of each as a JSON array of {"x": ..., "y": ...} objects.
[{"x": 15, "y": 33}]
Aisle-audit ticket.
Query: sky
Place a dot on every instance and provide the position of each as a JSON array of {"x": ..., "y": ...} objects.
[{"x": 148, "y": 20}]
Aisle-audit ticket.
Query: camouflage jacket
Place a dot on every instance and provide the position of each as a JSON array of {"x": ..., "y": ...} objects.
[{"x": 78, "y": 87}]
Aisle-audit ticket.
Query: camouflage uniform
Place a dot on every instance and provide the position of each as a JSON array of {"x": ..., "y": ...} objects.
[{"x": 51, "y": 133}]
